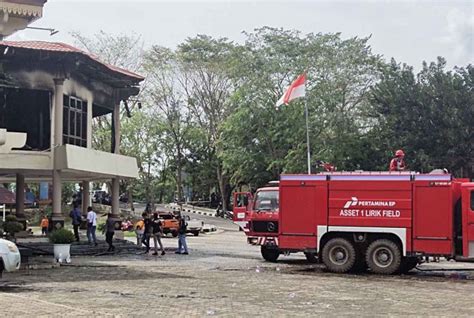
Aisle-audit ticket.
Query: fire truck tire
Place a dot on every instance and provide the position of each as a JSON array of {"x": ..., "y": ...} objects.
[
  {"x": 339, "y": 255},
  {"x": 270, "y": 254},
  {"x": 311, "y": 257},
  {"x": 383, "y": 257}
]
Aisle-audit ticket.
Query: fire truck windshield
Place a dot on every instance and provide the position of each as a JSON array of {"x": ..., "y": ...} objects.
[{"x": 266, "y": 201}]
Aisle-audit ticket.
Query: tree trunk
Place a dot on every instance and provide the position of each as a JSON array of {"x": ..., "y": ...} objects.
[
  {"x": 179, "y": 169},
  {"x": 222, "y": 188},
  {"x": 163, "y": 182}
]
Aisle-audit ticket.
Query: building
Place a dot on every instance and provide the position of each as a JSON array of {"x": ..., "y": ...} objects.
[
  {"x": 49, "y": 94},
  {"x": 16, "y": 15}
]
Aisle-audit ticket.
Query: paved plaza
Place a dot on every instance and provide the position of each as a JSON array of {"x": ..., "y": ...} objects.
[{"x": 225, "y": 277}]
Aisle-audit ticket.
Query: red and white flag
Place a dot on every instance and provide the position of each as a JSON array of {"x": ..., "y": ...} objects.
[{"x": 295, "y": 90}]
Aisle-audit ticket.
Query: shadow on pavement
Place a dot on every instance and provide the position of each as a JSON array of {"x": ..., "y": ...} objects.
[{"x": 87, "y": 272}]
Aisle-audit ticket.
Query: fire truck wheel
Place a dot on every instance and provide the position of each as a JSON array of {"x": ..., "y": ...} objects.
[
  {"x": 383, "y": 257},
  {"x": 339, "y": 255},
  {"x": 311, "y": 257},
  {"x": 270, "y": 254}
]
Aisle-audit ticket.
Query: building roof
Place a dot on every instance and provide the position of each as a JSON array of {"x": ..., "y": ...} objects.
[{"x": 68, "y": 49}]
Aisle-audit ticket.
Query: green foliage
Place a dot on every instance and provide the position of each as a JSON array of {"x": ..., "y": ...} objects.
[
  {"x": 61, "y": 236},
  {"x": 11, "y": 225},
  {"x": 101, "y": 227},
  {"x": 430, "y": 115},
  {"x": 209, "y": 119},
  {"x": 68, "y": 189},
  {"x": 259, "y": 141},
  {"x": 10, "y": 218}
]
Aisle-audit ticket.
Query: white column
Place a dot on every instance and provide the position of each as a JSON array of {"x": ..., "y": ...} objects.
[
  {"x": 89, "y": 122},
  {"x": 85, "y": 196},
  {"x": 116, "y": 181},
  {"x": 57, "y": 217},
  {"x": 20, "y": 196},
  {"x": 58, "y": 112}
]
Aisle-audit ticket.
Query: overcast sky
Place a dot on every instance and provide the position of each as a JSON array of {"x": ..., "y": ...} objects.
[{"x": 410, "y": 31}]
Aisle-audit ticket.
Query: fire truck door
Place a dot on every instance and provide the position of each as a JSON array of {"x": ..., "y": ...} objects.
[
  {"x": 468, "y": 219},
  {"x": 242, "y": 202}
]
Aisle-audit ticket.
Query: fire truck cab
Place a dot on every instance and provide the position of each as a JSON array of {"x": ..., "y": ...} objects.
[{"x": 257, "y": 216}]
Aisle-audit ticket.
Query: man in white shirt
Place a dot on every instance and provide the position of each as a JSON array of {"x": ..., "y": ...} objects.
[{"x": 91, "y": 225}]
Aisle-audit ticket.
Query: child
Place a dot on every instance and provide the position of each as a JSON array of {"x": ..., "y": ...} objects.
[{"x": 44, "y": 225}]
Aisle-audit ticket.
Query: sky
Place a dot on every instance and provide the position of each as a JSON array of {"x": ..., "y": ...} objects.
[{"x": 409, "y": 31}]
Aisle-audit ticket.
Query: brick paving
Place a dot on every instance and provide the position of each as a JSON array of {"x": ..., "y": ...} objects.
[{"x": 225, "y": 277}]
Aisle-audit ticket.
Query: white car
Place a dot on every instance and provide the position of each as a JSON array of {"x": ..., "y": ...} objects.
[
  {"x": 10, "y": 258},
  {"x": 194, "y": 226}
]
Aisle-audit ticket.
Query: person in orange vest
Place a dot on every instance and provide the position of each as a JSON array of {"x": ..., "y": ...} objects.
[
  {"x": 139, "y": 231},
  {"x": 398, "y": 163},
  {"x": 44, "y": 225}
]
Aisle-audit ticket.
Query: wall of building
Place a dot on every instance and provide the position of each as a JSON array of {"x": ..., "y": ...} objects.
[{"x": 72, "y": 86}]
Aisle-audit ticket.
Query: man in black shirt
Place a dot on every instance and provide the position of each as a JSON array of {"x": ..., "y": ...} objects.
[
  {"x": 183, "y": 225},
  {"x": 109, "y": 232},
  {"x": 148, "y": 231}
]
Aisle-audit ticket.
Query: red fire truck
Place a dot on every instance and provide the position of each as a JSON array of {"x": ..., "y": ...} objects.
[{"x": 384, "y": 221}]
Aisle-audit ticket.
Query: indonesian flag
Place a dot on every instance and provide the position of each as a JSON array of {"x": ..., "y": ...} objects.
[{"x": 295, "y": 90}]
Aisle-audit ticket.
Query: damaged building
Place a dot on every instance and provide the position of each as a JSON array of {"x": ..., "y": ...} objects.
[{"x": 49, "y": 95}]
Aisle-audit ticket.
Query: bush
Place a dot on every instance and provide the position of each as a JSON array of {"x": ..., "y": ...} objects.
[
  {"x": 10, "y": 218},
  {"x": 62, "y": 236},
  {"x": 101, "y": 227},
  {"x": 12, "y": 227}
]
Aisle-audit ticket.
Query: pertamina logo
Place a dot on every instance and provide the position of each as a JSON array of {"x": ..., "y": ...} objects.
[{"x": 355, "y": 202}]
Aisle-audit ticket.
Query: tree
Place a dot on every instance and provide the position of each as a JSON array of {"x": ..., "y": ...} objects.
[
  {"x": 429, "y": 115},
  {"x": 260, "y": 141},
  {"x": 167, "y": 102},
  {"x": 141, "y": 137},
  {"x": 206, "y": 64}
]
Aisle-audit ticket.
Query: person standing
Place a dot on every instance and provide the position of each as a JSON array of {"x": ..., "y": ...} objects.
[
  {"x": 182, "y": 246},
  {"x": 139, "y": 231},
  {"x": 109, "y": 232},
  {"x": 148, "y": 231},
  {"x": 76, "y": 219},
  {"x": 91, "y": 226},
  {"x": 157, "y": 233},
  {"x": 44, "y": 225},
  {"x": 398, "y": 163}
]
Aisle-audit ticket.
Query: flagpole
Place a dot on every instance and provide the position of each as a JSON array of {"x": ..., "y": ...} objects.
[{"x": 307, "y": 135}]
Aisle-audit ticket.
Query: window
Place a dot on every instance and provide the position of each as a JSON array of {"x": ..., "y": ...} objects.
[
  {"x": 267, "y": 201},
  {"x": 74, "y": 121}
]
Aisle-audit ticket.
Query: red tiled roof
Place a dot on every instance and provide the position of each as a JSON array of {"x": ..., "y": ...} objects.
[{"x": 66, "y": 48}]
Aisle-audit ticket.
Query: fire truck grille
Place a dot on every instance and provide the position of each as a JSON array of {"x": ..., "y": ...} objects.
[{"x": 265, "y": 226}]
